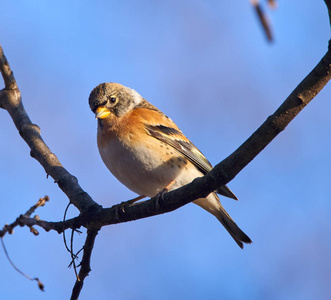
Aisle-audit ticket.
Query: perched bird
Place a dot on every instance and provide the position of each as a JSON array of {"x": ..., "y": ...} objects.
[{"x": 147, "y": 152}]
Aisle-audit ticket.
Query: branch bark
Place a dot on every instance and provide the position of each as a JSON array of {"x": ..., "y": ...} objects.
[{"x": 85, "y": 264}]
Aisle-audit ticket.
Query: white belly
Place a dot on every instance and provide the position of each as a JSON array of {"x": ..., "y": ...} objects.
[{"x": 142, "y": 170}]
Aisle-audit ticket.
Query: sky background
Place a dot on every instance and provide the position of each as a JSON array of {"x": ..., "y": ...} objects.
[{"x": 208, "y": 66}]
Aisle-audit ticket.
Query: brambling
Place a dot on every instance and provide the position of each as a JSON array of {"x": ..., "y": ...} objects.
[{"x": 147, "y": 152}]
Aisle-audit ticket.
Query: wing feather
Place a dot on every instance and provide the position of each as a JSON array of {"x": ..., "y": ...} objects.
[
  {"x": 174, "y": 138},
  {"x": 167, "y": 132}
]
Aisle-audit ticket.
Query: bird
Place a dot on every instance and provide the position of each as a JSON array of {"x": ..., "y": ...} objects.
[{"x": 147, "y": 152}]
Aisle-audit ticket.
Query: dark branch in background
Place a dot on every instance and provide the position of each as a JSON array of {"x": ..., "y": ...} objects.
[
  {"x": 93, "y": 216},
  {"x": 263, "y": 19}
]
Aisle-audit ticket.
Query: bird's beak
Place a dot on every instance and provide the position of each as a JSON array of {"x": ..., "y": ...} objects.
[{"x": 101, "y": 113}]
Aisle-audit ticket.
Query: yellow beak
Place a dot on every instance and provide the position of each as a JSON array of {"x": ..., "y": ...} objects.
[{"x": 101, "y": 113}]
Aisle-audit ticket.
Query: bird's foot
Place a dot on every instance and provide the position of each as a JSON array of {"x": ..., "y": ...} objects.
[
  {"x": 121, "y": 207},
  {"x": 160, "y": 195}
]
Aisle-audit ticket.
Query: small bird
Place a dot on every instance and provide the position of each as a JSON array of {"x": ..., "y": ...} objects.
[{"x": 148, "y": 153}]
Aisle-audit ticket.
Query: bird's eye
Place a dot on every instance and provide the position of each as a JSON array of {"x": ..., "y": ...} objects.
[{"x": 112, "y": 99}]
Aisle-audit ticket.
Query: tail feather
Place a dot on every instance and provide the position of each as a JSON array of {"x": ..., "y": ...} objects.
[
  {"x": 225, "y": 191},
  {"x": 212, "y": 205},
  {"x": 237, "y": 234}
]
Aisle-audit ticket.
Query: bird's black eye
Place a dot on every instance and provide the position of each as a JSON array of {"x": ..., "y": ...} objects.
[{"x": 112, "y": 99}]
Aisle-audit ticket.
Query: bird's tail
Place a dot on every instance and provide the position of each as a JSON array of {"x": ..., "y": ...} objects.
[
  {"x": 237, "y": 234},
  {"x": 212, "y": 204},
  {"x": 225, "y": 191}
]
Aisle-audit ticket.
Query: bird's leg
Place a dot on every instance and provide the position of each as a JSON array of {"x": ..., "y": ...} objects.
[
  {"x": 161, "y": 193},
  {"x": 125, "y": 203},
  {"x": 129, "y": 202},
  {"x": 135, "y": 199}
]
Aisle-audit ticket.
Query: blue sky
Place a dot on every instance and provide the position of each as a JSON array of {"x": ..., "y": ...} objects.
[{"x": 207, "y": 65}]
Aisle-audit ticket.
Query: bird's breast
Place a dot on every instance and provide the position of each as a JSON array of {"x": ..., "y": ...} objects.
[{"x": 145, "y": 167}]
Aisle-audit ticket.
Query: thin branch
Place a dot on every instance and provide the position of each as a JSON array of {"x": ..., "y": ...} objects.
[
  {"x": 59, "y": 227},
  {"x": 7, "y": 74},
  {"x": 85, "y": 264},
  {"x": 9, "y": 228},
  {"x": 328, "y": 5},
  {"x": 40, "y": 284},
  {"x": 63, "y": 233},
  {"x": 41, "y": 202},
  {"x": 263, "y": 19}
]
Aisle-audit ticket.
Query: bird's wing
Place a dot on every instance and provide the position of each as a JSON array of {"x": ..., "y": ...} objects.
[
  {"x": 175, "y": 138},
  {"x": 159, "y": 126}
]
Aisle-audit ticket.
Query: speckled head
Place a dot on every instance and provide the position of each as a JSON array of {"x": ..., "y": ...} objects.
[{"x": 114, "y": 98}]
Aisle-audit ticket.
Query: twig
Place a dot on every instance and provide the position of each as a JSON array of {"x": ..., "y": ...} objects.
[
  {"x": 328, "y": 5},
  {"x": 41, "y": 202},
  {"x": 40, "y": 284},
  {"x": 9, "y": 228},
  {"x": 264, "y": 21},
  {"x": 7, "y": 74},
  {"x": 73, "y": 256},
  {"x": 85, "y": 263},
  {"x": 63, "y": 233}
]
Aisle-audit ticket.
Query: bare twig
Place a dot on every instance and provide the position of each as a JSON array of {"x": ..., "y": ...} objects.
[
  {"x": 328, "y": 5},
  {"x": 59, "y": 227},
  {"x": 63, "y": 233},
  {"x": 9, "y": 228},
  {"x": 41, "y": 202},
  {"x": 264, "y": 21},
  {"x": 85, "y": 264},
  {"x": 73, "y": 256},
  {"x": 40, "y": 284},
  {"x": 7, "y": 74}
]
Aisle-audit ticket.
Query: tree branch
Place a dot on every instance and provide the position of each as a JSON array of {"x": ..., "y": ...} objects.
[
  {"x": 7, "y": 74},
  {"x": 85, "y": 264},
  {"x": 328, "y": 5}
]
